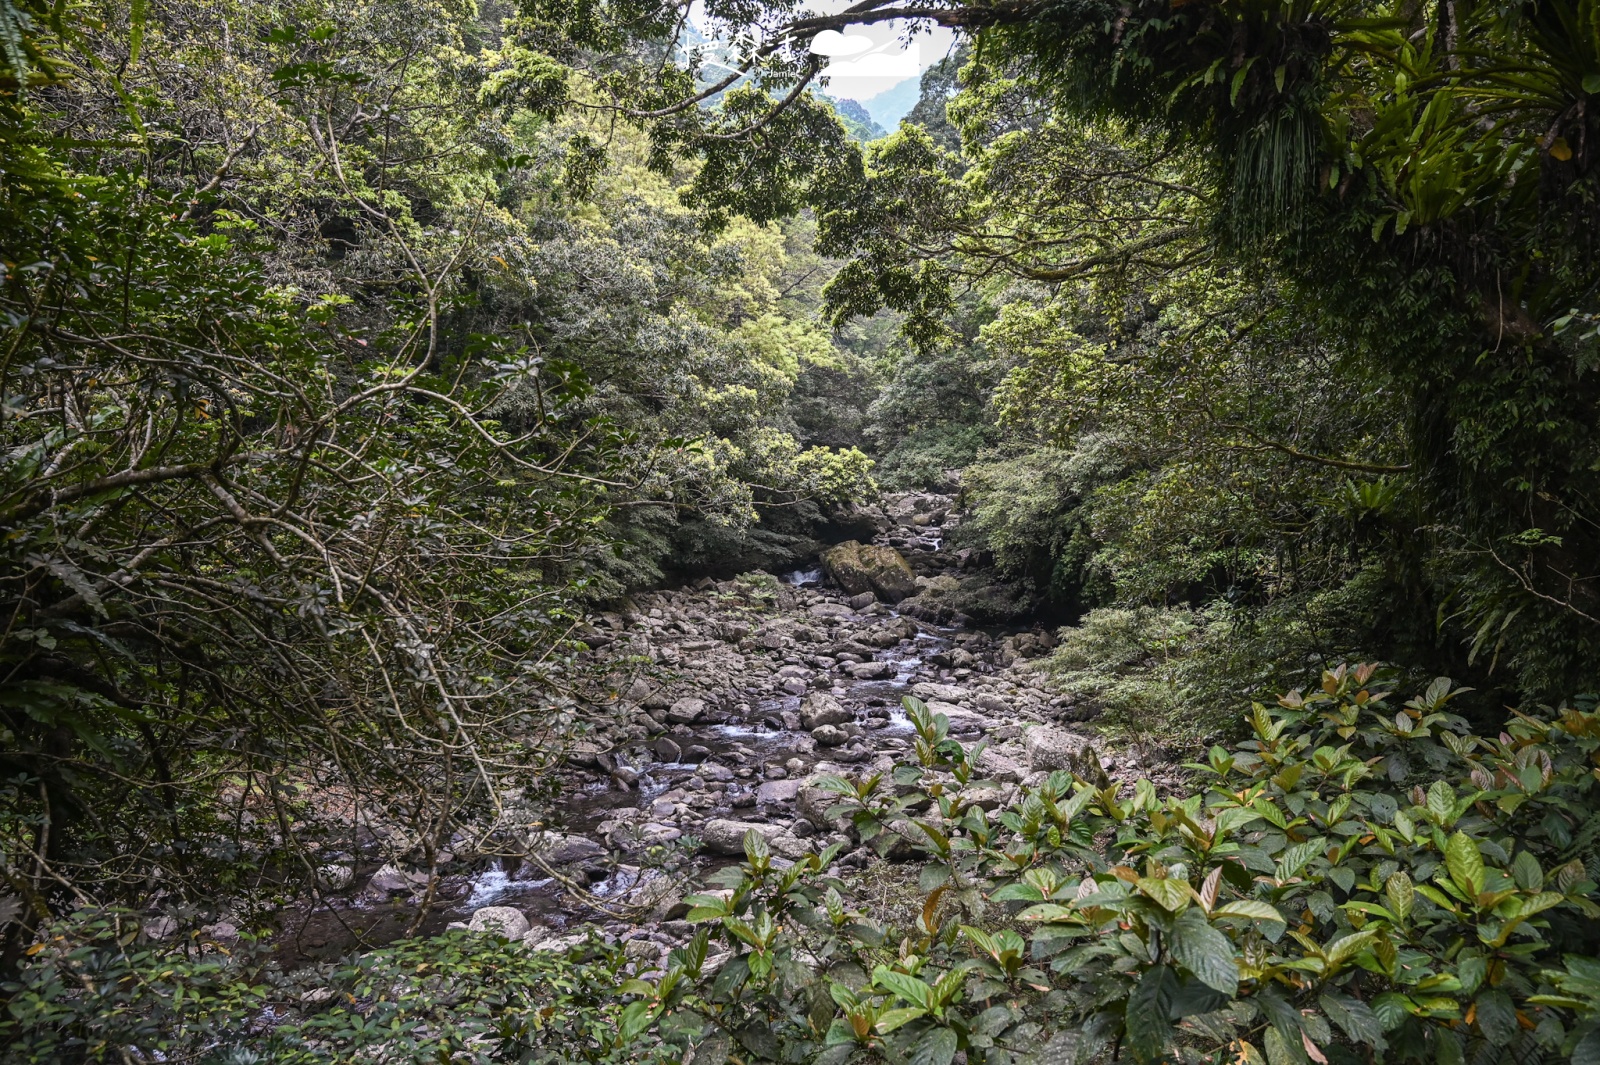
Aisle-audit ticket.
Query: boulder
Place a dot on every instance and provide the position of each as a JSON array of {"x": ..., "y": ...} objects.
[
  {"x": 544, "y": 939},
  {"x": 559, "y": 849},
  {"x": 830, "y": 735},
  {"x": 862, "y": 601},
  {"x": 788, "y": 845},
  {"x": 996, "y": 766},
  {"x": 793, "y": 685},
  {"x": 945, "y": 693},
  {"x": 777, "y": 791},
  {"x": 860, "y": 568},
  {"x": 1053, "y": 748},
  {"x": 336, "y": 876},
  {"x": 831, "y": 610},
  {"x": 668, "y": 750},
  {"x": 871, "y": 670},
  {"x": 813, "y": 803},
  {"x": 717, "y": 774},
  {"x": 722, "y": 836},
  {"x": 993, "y": 703},
  {"x": 391, "y": 879},
  {"x": 501, "y": 920},
  {"x": 822, "y": 709},
  {"x": 686, "y": 711},
  {"x": 961, "y": 719}
]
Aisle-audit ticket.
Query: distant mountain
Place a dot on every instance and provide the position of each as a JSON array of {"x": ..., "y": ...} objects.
[
  {"x": 857, "y": 120},
  {"x": 890, "y": 106}
]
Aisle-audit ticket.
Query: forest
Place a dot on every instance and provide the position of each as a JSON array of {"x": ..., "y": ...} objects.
[{"x": 542, "y": 531}]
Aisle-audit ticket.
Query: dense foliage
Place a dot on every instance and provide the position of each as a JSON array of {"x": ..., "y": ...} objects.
[
  {"x": 338, "y": 380},
  {"x": 458, "y": 998},
  {"x": 354, "y": 349},
  {"x": 1361, "y": 880},
  {"x": 1393, "y": 203}
]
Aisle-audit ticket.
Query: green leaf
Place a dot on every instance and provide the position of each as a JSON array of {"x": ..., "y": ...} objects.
[
  {"x": 1526, "y": 872},
  {"x": 1279, "y": 1050},
  {"x": 1205, "y": 952},
  {"x": 1238, "y": 81},
  {"x": 1297, "y": 857},
  {"x": 1252, "y": 908},
  {"x": 1402, "y": 895},
  {"x": 936, "y": 1047},
  {"x": 889, "y": 1020},
  {"x": 1346, "y": 947},
  {"x": 907, "y": 987},
  {"x": 636, "y": 1017},
  {"x": 1441, "y": 801},
  {"x": 1447, "y": 1048},
  {"x": 1391, "y": 1008},
  {"x": 1497, "y": 1017},
  {"x": 136, "y": 20},
  {"x": 1147, "y": 1014},
  {"x": 1354, "y": 1017},
  {"x": 1587, "y": 1050},
  {"x": 1465, "y": 863},
  {"x": 1169, "y": 893},
  {"x": 1591, "y": 85}
]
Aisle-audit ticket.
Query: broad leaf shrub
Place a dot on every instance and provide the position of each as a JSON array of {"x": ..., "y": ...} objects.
[{"x": 1363, "y": 880}]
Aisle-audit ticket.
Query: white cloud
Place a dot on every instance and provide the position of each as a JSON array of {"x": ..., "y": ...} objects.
[
  {"x": 885, "y": 62},
  {"x": 834, "y": 43}
]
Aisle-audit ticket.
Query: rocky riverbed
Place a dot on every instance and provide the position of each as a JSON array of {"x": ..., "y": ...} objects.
[{"x": 728, "y": 701}]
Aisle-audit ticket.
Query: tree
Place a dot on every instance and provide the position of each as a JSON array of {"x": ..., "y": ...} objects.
[{"x": 1423, "y": 173}]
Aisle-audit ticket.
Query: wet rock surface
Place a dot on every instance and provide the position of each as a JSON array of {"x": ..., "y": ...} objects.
[{"x": 730, "y": 700}]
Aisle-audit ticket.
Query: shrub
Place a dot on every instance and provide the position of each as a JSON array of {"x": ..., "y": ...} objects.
[
  {"x": 96, "y": 991},
  {"x": 1363, "y": 880}
]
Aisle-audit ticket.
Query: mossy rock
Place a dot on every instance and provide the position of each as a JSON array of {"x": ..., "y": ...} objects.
[{"x": 858, "y": 567}]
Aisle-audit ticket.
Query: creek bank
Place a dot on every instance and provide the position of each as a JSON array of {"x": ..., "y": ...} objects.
[{"x": 728, "y": 700}]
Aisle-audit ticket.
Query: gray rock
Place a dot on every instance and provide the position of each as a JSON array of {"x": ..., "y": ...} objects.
[
  {"x": 813, "y": 803},
  {"x": 686, "y": 711},
  {"x": 993, "y": 703},
  {"x": 559, "y": 849},
  {"x": 778, "y": 791},
  {"x": 391, "y": 879},
  {"x": 823, "y": 709},
  {"x": 862, "y": 601},
  {"x": 543, "y": 939},
  {"x": 160, "y": 927},
  {"x": 337, "y": 876},
  {"x": 1053, "y": 748},
  {"x": 501, "y": 920},
  {"x": 831, "y": 610},
  {"x": 667, "y": 750},
  {"x": 711, "y": 771},
  {"x": 830, "y": 735},
  {"x": 789, "y": 846},
  {"x": 652, "y": 832},
  {"x": 996, "y": 766},
  {"x": 946, "y": 693},
  {"x": 725, "y": 837},
  {"x": 793, "y": 685},
  {"x": 961, "y": 719},
  {"x": 871, "y": 670}
]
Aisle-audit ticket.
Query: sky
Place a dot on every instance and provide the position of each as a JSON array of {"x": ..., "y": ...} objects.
[
  {"x": 864, "y": 61},
  {"x": 867, "y": 60}
]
